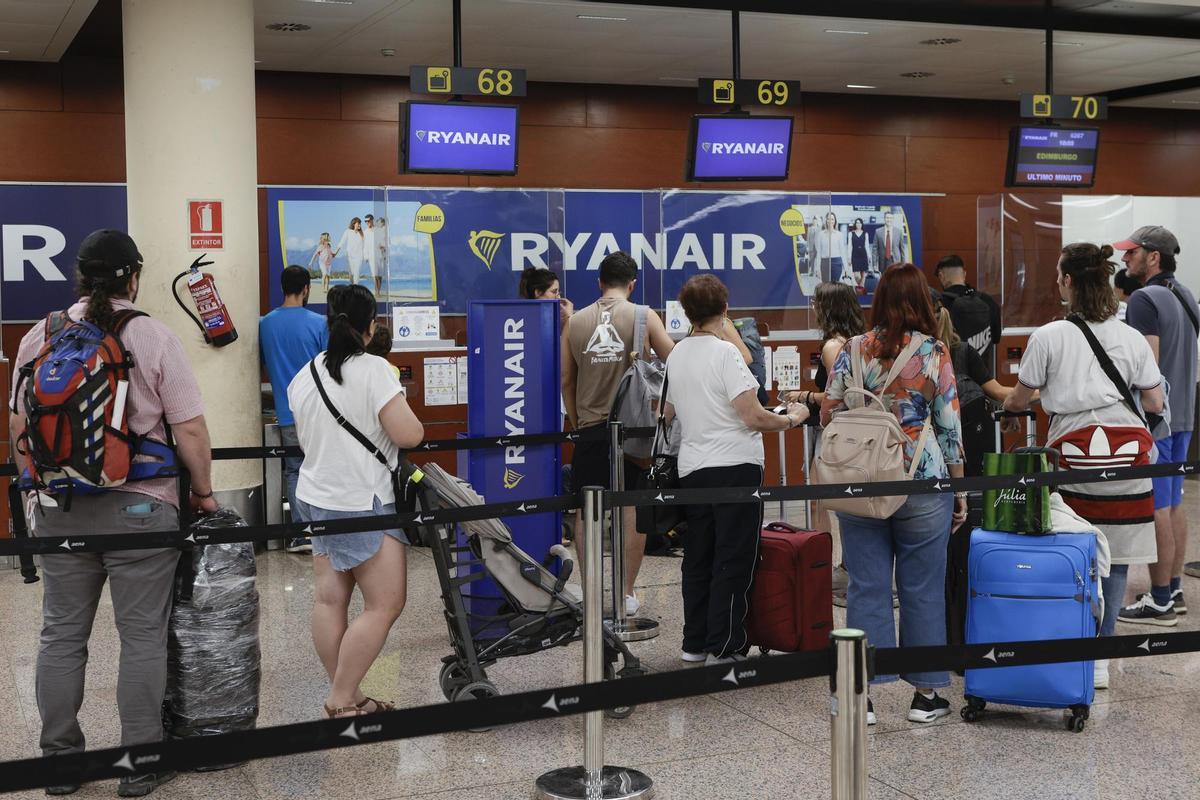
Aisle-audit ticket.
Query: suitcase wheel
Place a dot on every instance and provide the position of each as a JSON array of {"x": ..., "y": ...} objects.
[
  {"x": 973, "y": 710},
  {"x": 1077, "y": 718}
]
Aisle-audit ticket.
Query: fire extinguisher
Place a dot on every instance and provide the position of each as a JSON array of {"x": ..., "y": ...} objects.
[{"x": 214, "y": 321}]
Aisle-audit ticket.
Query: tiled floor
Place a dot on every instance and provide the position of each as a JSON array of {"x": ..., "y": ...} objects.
[{"x": 770, "y": 742}]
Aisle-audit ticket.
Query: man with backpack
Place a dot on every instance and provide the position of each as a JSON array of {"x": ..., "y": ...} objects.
[
  {"x": 976, "y": 315},
  {"x": 1165, "y": 312},
  {"x": 598, "y": 345},
  {"x": 288, "y": 338},
  {"x": 101, "y": 352}
]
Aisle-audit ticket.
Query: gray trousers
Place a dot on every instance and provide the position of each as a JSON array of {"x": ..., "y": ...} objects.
[{"x": 140, "y": 582}]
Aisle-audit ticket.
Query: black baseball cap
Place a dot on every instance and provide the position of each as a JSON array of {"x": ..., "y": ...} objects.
[{"x": 108, "y": 253}]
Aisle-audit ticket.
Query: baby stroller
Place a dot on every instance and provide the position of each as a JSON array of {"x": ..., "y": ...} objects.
[{"x": 538, "y": 610}]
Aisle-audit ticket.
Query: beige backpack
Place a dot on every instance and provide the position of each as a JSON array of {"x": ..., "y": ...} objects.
[{"x": 864, "y": 444}]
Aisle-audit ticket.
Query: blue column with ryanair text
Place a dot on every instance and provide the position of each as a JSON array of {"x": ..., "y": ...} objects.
[{"x": 513, "y": 389}]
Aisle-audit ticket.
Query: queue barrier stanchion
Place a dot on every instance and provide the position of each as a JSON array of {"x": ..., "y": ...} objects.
[
  {"x": 594, "y": 780},
  {"x": 627, "y": 629},
  {"x": 848, "y": 715}
]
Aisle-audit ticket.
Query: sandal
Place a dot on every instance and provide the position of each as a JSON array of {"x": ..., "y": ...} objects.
[
  {"x": 341, "y": 711},
  {"x": 380, "y": 705}
]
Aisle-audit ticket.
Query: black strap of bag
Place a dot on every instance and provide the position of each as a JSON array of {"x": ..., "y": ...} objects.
[
  {"x": 399, "y": 488},
  {"x": 1107, "y": 365},
  {"x": 1183, "y": 302}
]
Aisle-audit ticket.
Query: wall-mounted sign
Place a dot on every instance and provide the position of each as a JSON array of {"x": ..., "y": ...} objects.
[
  {"x": 205, "y": 225},
  {"x": 744, "y": 91},
  {"x": 492, "y": 81},
  {"x": 458, "y": 138},
  {"x": 1064, "y": 106}
]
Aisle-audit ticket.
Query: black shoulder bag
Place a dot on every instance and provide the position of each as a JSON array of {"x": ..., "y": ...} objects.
[
  {"x": 405, "y": 499},
  {"x": 1186, "y": 308},
  {"x": 1110, "y": 369},
  {"x": 663, "y": 476}
]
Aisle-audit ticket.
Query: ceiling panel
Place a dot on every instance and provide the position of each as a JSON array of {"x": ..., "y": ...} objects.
[{"x": 671, "y": 46}]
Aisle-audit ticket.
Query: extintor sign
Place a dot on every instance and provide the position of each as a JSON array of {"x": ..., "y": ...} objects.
[{"x": 205, "y": 225}]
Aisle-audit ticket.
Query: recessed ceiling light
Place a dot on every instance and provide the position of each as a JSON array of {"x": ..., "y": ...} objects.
[
  {"x": 860, "y": 86},
  {"x": 330, "y": 2},
  {"x": 669, "y": 78},
  {"x": 1186, "y": 102},
  {"x": 257, "y": 61},
  {"x": 941, "y": 41},
  {"x": 1065, "y": 44},
  {"x": 601, "y": 18},
  {"x": 848, "y": 33},
  {"x": 288, "y": 27},
  {"x": 916, "y": 74},
  {"x": 388, "y": 52},
  {"x": 4, "y": 52}
]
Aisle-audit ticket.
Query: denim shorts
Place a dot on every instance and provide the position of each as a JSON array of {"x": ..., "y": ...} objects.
[{"x": 348, "y": 550}]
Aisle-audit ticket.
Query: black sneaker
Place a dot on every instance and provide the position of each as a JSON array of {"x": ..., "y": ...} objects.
[
  {"x": 142, "y": 785},
  {"x": 870, "y": 712},
  {"x": 301, "y": 545},
  {"x": 64, "y": 789},
  {"x": 927, "y": 709},
  {"x": 1180, "y": 603},
  {"x": 1146, "y": 612}
]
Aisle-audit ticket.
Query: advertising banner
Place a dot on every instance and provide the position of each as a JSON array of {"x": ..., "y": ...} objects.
[
  {"x": 772, "y": 249},
  {"x": 513, "y": 377},
  {"x": 41, "y": 227}
]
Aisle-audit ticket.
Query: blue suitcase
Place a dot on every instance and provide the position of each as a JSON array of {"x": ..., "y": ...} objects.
[{"x": 1024, "y": 588}]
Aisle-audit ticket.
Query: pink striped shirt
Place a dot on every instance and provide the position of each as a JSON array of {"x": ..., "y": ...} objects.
[{"x": 161, "y": 385}]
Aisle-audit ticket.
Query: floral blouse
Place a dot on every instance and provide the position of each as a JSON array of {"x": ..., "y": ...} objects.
[{"x": 924, "y": 387}]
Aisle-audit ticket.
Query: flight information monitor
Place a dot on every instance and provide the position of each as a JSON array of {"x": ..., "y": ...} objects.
[
  {"x": 458, "y": 138},
  {"x": 739, "y": 148},
  {"x": 1053, "y": 157}
]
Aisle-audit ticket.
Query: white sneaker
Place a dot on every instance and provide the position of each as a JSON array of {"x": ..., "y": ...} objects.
[
  {"x": 1101, "y": 673},
  {"x": 692, "y": 658},
  {"x": 632, "y": 604},
  {"x": 870, "y": 712}
]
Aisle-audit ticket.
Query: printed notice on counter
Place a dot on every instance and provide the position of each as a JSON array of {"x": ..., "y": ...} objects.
[
  {"x": 462, "y": 380},
  {"x": 441, "y": 381},
  {"x": 786, "y": 364},
  {"x": 415, "y": 323},
  {"x": 677, "y": 321}
]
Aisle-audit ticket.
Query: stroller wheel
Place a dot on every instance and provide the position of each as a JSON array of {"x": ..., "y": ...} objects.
[
  {"x": 451, "y": 678},
  {"x": 479, "y": 690},
  {"x": 611, "y": 673}
]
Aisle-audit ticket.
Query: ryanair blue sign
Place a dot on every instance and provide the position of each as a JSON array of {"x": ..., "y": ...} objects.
[
  {"x": 453, "y": 246},
  {"x": 513, "y": 389}
]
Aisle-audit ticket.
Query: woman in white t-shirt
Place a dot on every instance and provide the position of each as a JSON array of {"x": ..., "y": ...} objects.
[
  {"x": 340, "y": 478},
  {"x": 1090, "y": 424},
  {"x": 714, "y": 397}
]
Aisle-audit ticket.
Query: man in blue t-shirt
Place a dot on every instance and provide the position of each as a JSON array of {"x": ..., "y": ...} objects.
[
  {"x": 289, "y": 337},
  {"x": 1165, "y": 312}
]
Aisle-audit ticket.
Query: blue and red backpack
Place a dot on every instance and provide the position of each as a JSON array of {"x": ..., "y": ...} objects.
[{"x": 71, "y": 398}]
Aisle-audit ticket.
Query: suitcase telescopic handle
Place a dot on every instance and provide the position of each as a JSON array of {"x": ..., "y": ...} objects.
[{"x": 1026, "y": 414}]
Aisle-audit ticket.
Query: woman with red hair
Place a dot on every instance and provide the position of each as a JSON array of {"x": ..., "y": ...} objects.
[{"x": 912, "y": 541}]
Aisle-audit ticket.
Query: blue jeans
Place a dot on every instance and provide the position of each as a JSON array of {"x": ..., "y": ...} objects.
[
  {"x": 1114, "y": 597},
  {"x": 913, "y": 543},
  {"x": 291, "y": 466}
]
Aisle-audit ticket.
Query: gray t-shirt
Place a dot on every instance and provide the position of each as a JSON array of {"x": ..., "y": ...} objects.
[{"x": 1154, "y": 310}]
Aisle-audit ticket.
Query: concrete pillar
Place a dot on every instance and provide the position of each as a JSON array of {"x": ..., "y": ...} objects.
[{"x": 190, "y": 135}]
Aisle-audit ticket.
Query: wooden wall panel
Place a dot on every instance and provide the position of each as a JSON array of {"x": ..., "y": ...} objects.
[
  {"x": 63, "y": 146},
  {"x": 962, "y": 166},
  {"x": 94, "y": 85},
  {"x": 280, "y": 95},
  {"x": 30, "y": 86}
]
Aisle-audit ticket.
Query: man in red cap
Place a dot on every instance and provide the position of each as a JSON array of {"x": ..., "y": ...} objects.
[{"x": 1166, "y": 313}]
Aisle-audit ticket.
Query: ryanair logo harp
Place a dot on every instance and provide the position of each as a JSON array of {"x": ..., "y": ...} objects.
[{"x": 485, "y": 245}]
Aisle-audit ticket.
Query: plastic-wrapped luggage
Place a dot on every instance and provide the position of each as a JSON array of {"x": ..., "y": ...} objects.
[{"x": 213, "y": 658}]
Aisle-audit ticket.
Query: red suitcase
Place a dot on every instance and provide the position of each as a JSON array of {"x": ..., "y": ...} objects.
[{"x": 791, "y": 604}]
